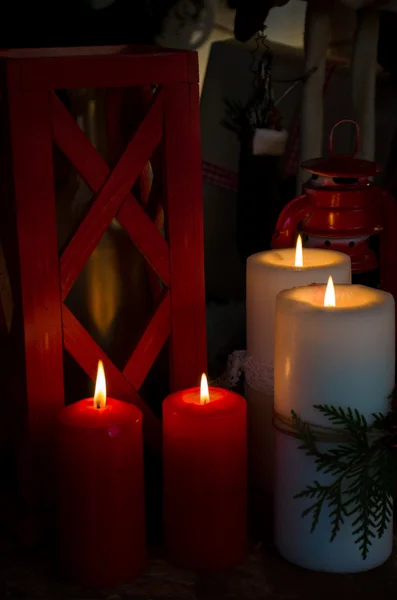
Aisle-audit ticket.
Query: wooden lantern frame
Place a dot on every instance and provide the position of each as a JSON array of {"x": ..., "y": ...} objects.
[{"x": 41, "y": 279}]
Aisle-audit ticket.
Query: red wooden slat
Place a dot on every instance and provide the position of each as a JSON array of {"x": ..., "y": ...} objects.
[
  {"x": 193, "y": 99},
  {"x": 31, "y": 144},
  {"x": 93, "y": 51},
  {"x": 87, "y": 353},
  {"x": 76, "y": 146},
  {"x": 119, "y": 102},
  {"x": 146, "y": 237},
  {"x": 112, "y": 193},
  {"x": 103, "y": 70},
  {"x": 150, "y": 344},
  {"x": 94, "y": 170},
  {"x": 185, "y": 233},
  {"x": 192, "y": 67},
  {"x": 155, "y": 210}
]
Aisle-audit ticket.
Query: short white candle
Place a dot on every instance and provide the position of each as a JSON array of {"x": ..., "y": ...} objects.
[
  {"x": 341, "y": 356},
  {"x": 268, "y": 273}
]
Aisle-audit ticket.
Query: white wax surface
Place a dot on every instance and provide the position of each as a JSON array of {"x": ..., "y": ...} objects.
[
  {"x": 293, "y": 538},
  {"x": 268, "y": 273},
  {"x": 341, "y": 356}
]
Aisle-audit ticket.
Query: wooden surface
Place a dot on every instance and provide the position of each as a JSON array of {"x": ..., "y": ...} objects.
[{"x": 263, "y": 576}]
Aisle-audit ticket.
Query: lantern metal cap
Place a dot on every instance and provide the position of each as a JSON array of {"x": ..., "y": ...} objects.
[
  {"x": 341, "y": 166},
  {"x": 345, "y": 166}
]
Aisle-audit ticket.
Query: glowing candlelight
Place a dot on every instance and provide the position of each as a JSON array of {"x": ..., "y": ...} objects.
[
  {"x": 100, "y": 387},
  {"x": 299, "y": 252},
  {"x": 329, "y": 297},
  {"x": 204, "y": 392}
]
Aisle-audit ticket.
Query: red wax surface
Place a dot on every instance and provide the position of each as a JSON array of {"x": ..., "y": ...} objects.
[
  {"x": 205, "y": 479},
  {"x": 101, "y": 492}
]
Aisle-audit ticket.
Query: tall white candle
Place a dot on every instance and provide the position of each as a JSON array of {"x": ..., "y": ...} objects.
[
  {"x": 341, "y": 356},
  {"x": 268, "y": 273}
]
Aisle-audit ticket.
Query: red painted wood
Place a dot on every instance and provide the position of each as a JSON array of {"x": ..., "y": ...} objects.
[
  {"x": 87, "y": 353},
  {"x": 145, "y": 185},
  {"x": 124, "y": 110},
  {"x": 117, "y": 66},
  {"x": 112, "y": 193},
  {"x": 198, "y": 220},
  {"x": 155, "y": 211},
  {"x": 31, "y": 145},
  {"x": 185, "y": 233},
  {"x": 154, "y": 281},
  {"x": 125, "y": 71},
  {"x": 91, "y": 166},
  {"x": 87, "y": 51},
  {"x": 150, "y": 344},
  {"x": 192, "y": 67},
  {"x": 144, "y": 235}
]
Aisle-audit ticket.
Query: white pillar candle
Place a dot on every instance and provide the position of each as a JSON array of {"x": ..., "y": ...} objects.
[
  {"x": 267, "y": 274},
  {"x": 341, "y": 356}
]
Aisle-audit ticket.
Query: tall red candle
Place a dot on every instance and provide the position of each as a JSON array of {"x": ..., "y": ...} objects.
[
  {"x": 205, "y": 478},
  {"x": 101, "y": 490}
]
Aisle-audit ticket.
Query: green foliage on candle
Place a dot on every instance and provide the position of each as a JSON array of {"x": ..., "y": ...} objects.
[{"x": 362, "y": 469}]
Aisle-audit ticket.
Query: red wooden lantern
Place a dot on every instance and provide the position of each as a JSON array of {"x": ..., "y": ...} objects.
[
  {"x": 41, "y": 279},
  {"x": 341, "y": 208}
]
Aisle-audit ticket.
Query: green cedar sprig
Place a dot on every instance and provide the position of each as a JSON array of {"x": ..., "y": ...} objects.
[{"x": 363, "y": 469}]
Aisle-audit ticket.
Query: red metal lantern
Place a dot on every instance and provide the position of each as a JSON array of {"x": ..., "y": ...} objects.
[{"x": 341, "y": 209}]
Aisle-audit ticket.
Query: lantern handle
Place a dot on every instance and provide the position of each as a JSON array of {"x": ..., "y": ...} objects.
[{"x": 331, "y": 137}]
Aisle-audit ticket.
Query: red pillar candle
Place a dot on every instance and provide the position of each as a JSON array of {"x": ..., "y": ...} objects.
[
  {"x": 205, "y": 478},
  {"x": 101, "y": 489}
]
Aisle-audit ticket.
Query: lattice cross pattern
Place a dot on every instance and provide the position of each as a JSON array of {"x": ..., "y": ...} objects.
[{"x": 114, "y": 199}]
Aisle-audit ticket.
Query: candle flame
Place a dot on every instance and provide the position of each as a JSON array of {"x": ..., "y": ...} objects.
[
  {"x": 299, "y": 252},
  {"x": 204, "y": 391},
  {"x": 329, "y": 298},
  {"x": 100, "y": 387}
]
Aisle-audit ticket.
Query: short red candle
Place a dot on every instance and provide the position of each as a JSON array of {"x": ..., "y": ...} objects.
[
  {"x": 205, "y": 479},
  {"x": 101, "y": 492}
]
